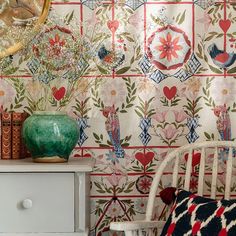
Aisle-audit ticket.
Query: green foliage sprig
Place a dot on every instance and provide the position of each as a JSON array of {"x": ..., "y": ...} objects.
[{"x": 144, "y": 110}]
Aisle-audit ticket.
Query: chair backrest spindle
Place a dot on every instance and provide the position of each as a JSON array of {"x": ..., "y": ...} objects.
[
  {"x": 188, "y": 170},
  {"x": 175, "y": 171},
  {"x": 228, "y": 178},
  {"x": 130, "y": 233},
  {"x": 201, "y": 172},
  {"x": 140, "y": 233},
  {"x": 214, "y": 174}
]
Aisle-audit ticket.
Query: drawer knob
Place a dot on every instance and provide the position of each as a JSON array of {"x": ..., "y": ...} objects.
[{"x": 27, "y": 203}]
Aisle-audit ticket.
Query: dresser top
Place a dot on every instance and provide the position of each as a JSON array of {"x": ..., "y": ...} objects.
[{"x": 27, "y": 165}]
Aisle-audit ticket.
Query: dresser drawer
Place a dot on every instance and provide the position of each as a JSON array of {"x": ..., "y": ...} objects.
[{"x": 36, "y": 202}]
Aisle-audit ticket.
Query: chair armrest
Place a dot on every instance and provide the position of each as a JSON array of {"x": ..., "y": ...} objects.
[{"x": 136, "y": 225}]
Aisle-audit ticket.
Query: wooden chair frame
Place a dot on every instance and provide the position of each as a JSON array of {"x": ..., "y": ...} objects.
[{"x": 138, "y": 227}]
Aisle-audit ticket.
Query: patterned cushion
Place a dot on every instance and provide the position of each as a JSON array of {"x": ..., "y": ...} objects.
[{"x": 194, "y": 215}]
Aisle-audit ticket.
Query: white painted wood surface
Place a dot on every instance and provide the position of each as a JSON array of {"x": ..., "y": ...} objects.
[
  {"x": 229, "y": 168},
  {"x": 201, "y": 173},
  {"x": 27, "y": 165},
  {"x": 52, "y": 196},
  {"x": 214, "y": 174},
  {"x": 58, "y": 195},
  {"x": 138, "y": 228},
  {"x": 188, "y": 169},
  {"x": 85, "y": 233},
  {"x": 175, "y": 173}
]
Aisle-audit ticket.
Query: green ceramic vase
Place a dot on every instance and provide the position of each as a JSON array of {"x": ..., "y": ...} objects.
[{"x": 50, "y": 136}]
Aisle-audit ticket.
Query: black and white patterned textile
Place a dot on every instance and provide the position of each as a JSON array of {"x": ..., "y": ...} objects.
[{"x": 196, "y": 215}]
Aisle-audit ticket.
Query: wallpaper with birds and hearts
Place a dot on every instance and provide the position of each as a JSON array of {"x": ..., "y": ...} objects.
[{"x": 168, "y": 78}]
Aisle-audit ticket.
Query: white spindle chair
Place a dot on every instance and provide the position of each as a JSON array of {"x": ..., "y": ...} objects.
[{"x": 137, "y": 228}]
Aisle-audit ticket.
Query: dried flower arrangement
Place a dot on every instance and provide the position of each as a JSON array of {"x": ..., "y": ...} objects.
[{"x": 60, "y": 58}]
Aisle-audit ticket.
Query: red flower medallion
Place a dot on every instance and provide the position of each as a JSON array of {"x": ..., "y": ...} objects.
[{"x": 168, "y": 48}]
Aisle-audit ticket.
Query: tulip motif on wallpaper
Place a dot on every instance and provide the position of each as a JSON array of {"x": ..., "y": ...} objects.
[
  {"x": 169, "y": 132},
  {"x": 113, "y": 129}
]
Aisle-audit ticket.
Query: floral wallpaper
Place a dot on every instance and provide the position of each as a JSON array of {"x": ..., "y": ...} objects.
[{"x": 162, "y": 75}]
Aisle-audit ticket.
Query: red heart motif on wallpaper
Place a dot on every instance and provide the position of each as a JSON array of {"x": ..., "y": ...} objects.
[
  {"x": 224, "y": 25},
  {"x": 170, "y": 92},
  {"x": 196, "y": 158},
  {"x": 113, "y": 25},
  {"x": 144, "y": 159},
  {"x": 58, "y": 94}
]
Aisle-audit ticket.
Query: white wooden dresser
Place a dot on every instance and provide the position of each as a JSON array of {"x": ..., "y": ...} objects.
[{"x": 45, "y": 199}]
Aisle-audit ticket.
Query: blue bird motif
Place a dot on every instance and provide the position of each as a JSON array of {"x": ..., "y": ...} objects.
[
  {"x": 103, "y": 52},
  {"x": 221, "y": 58},
  {"x": 110, "y": 59}
]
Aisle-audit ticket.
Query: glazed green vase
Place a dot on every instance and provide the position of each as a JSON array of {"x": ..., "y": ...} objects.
[{"x": 50, "y": 136}]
